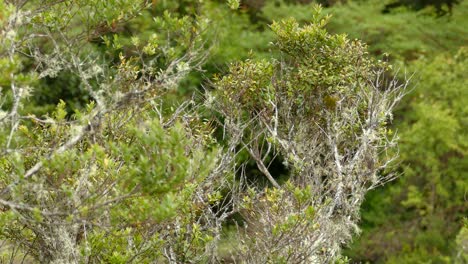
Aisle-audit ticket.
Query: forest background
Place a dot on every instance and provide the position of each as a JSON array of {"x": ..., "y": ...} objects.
[{"x": 418, "y": 217}]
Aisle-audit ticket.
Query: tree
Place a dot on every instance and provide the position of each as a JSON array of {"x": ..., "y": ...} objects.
[
  {"x": 322, "y": 107},
  {"x": 109, "y": 183},
  {"x": 130, "y": 178}
]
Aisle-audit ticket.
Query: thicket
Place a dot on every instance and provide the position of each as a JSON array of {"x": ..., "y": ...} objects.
[
  {"x": 186, "y": 131},
  {"x": 143, "y": 168}
]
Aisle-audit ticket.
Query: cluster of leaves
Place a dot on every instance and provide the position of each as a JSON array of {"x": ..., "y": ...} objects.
[
  {"x": 110, "y": 197},
  {"x": 323, "y": 109},
  {"x": 122, "y": 179},
  {"x": 385, "y": 33}
]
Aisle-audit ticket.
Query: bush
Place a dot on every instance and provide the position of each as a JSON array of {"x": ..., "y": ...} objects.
[{"x": 134, "y": 175}]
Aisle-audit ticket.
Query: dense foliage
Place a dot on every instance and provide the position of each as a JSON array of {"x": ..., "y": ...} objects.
[{"x": 233, "y": 131}]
